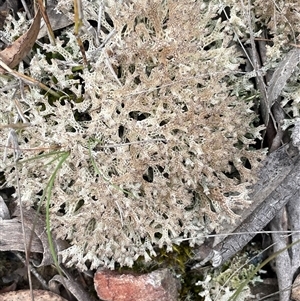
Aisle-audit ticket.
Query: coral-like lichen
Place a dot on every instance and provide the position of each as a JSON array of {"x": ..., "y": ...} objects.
[{"x": 159, "y": 147}]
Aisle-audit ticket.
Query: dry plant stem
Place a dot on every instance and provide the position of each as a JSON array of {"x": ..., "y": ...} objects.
[
  {"x": 27, "y": 252},
  {"x": 100, "y": 48},
  {"x": 78, "y": 15},
  {"x": 92, "y": 31},
  {"x": 238, "y": 38},
  {"x": 285, "y": 232},
  {"x": 33, "y": 149},
  {"x": 26, "y": 9},
  {"x": 111, "y": 69},
  {"x": 99, "y": 19},
  {"x": 78, "y": 20},
  {"x": 283, "y": 260},
  {"x": 47, "y": 21},
  {"x": 263, "y": 55},
  {"x": 265, "y": 108},
  {"x": 131, "y": 143},
  {"x": 80, "y": 44},
  {"x": 8, "y": 87},
  {"x": 28, "y": 80},
  {"x": 23, "y": 229}
]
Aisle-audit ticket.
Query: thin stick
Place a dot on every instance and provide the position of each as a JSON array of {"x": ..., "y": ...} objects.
[
  {"x": 23, "y": 227},
  {"x": 99, "y": 18},
  {"x": 47, "y": 21},
  {"x": 34, "y": 149},
  {"x": 287, "y": 232},
  {"x": 265, "y": 108},
  {"x": 130, "y": 143},
  {"x": 78, "y": 20},
  {"x": 238, "y": 38},
  {"x": 111, "y": 69},
  {"x": 26, "y": 9},
  {"x": 27, "y": 79}
]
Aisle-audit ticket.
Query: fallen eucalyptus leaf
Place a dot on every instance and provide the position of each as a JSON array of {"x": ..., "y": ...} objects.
[
  {"x": 72, "y": 286},
  {"x": 12, "y": 237},
  {"x": 14, "y": 54},
  {"x": 39, "y": 231}
]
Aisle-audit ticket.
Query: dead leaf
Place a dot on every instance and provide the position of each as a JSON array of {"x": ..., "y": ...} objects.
[
  {"x": 72, "y": 286},
  {"x": 24, "y": 295},
  {"x": 57, "y": 20},
  {"x": 30, "y": 217},
  {"x": 12, "y": 237},
  {"x": 14, "y": 54}
]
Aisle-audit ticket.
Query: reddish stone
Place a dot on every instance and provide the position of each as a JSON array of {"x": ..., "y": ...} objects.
[{"x": 158, "y": 285}]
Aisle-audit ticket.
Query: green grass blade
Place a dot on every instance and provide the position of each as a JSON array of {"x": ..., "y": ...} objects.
[
  {"x": 48, "y": 192},
  {"x": 258, "y": 268}
]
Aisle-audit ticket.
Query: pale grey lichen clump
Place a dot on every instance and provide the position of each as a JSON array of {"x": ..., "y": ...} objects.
[
  {"x": 225, "y": 283},
  {"x": 159, "y": 93}
]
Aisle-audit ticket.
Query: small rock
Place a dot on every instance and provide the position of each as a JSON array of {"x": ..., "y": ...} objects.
[
  {"x": 158, "y": 285},
  {"x": 296, "y": 289}
]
